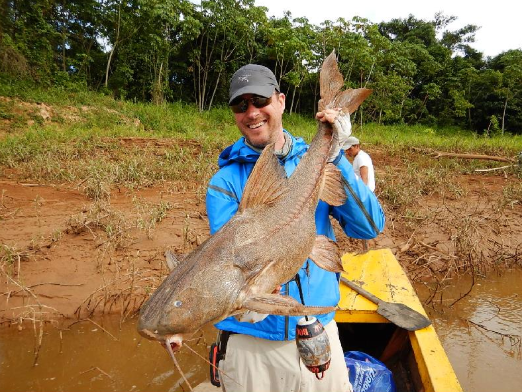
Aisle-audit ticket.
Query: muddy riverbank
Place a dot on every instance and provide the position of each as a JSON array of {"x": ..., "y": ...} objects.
[{"x": 68, "y": 260}]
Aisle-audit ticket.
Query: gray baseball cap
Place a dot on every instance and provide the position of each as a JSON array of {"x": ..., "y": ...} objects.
[
  {"x": 252, "y": 79},
  {"x": 351, "y": 141}
]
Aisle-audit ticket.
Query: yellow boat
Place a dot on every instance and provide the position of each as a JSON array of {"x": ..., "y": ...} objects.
[{"x": 416, "y": 358}]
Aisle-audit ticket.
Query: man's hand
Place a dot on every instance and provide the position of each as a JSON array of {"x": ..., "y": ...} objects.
[{"x": 342, "y": 126}]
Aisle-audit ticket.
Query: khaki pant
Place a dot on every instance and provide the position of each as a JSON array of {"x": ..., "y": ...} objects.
[{"x": 259, "y": 365}]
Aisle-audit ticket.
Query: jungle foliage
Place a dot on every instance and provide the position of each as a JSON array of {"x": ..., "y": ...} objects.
[{"x": 173, "y": 50}]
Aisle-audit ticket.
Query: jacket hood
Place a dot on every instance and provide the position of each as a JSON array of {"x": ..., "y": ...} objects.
[{"x": 240, "y": 152}]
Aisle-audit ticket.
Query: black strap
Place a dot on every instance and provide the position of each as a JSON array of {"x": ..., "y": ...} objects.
[
  {"x": 223, "y": 342},
  {"x": 361, "y": 206},
  {"x": 216, "y": 354},
  {"x": 298, "y": 283}
]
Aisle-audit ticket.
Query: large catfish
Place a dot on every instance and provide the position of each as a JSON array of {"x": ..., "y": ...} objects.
[{"x": 264, "y": 244}]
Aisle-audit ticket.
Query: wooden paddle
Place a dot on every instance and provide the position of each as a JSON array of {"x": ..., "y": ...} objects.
[{"x": 399, "y": 314}]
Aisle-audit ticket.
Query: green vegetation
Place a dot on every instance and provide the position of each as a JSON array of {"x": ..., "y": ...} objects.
[
  {"x": 421, "y": 71},
  {"x": 99, "y": 143},
  {"x": 448, "y": 139}
]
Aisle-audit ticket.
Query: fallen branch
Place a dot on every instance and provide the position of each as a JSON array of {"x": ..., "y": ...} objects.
[
  {"x": 515, "y": 340},
  {"x": 98, "y": 369},
  {"x": 495, "y": 168},
  {"x": 98, "y": 325},
  {"x": 436, "y": 250},
  {"x": 469, "y": 291},
  {"x": 473, "y": 156},
  {"x": 13, "y": 293}
]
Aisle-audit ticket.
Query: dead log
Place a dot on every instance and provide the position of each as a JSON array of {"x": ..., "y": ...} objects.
[
  {"x": 494, "y": 168},
  {"x": 473, "y": 156}
]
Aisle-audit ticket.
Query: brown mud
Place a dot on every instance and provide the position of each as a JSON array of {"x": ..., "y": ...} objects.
[{"x": 66, "y": 257}]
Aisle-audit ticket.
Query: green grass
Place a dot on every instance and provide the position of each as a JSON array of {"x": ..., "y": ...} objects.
[
  {"x": 399, "y": 137},
  {"x": 81, "y": 141}
]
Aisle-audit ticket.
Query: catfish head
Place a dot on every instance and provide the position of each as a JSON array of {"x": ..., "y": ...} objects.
[
  {"x": 167, "y": 316},
  {"x": 183, "y": 303}
]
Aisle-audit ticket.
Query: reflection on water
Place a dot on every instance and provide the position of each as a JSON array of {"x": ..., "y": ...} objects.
[
  {"x": 481, "y": 333},
  {"x": 87, "y": 358}
]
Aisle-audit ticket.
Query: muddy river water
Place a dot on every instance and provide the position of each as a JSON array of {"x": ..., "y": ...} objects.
[{"x": 481, "y": 334}]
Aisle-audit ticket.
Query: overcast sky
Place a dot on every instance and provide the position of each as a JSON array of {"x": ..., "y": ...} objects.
[{"x": 499, "y": 20}]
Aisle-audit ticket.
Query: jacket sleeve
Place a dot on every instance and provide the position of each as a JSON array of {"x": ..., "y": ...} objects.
[
  {"x": 361, "y": 216},
  {"x": 221, "y": 203}
]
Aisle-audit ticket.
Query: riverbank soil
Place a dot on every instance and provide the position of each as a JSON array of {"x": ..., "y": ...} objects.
[{"x": 66, "y": 256}]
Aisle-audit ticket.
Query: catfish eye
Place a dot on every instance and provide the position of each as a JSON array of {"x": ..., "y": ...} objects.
[{"x": 177, "y": 304}]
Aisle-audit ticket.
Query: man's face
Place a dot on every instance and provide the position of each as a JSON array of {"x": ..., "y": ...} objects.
[
  {"x": 352, "y": 151},
  {"x": 262, "y": 126}
]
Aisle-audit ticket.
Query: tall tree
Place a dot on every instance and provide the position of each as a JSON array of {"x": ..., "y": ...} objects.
[
  {"x": 154, "y": 32},
  {"x": 510, "y": 64},
  {"x": 227, "y": 38},
  {"x": 290, "y": 46}
]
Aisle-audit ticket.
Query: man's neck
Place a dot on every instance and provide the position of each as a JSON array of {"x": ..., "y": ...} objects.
[
  {"x": 281, "y": 141},
  {"x": 282, "y": 151}
]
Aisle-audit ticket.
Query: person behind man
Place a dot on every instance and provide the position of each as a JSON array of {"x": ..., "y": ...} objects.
[
  {"x": 362, "y": 163},
  {"x": 262, "y": 356}
]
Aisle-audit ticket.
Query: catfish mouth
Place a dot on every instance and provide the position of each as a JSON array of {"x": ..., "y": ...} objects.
[{"x": 171, "y": 342}]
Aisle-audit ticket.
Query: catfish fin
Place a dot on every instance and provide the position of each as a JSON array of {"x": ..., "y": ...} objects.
[
  {"x": 350, "y": 100},
  {"x": 172, "y": 260},
  {"x": 267, "y": 182},
  {"x": 283, "y": 306},
  {"x": 330, "y": 81},
  {"x": 333, "y": 192},
  {"x": 325, "y": 254}
]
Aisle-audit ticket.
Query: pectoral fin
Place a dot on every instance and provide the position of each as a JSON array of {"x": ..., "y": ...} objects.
[
  {"x": 325, "y": 254},
  {"x": 333, "y": 192},
  {"x": 282, "y": 306}
]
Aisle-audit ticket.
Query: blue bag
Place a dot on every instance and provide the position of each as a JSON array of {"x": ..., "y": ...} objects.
[{"x": 368, "y": 374}]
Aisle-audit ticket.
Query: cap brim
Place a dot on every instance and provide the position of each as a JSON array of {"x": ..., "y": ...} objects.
[{"x": 262, "y": 91}]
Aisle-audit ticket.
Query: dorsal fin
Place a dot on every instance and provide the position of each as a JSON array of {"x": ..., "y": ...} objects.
[
  {"x": 267, "y": 182},
  {"x": 333, "y": 192}
]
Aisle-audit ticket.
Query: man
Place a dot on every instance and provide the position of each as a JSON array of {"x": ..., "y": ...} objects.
[
  {"x": 262, "y": 356},
  {"x": 362, "y": 163}
]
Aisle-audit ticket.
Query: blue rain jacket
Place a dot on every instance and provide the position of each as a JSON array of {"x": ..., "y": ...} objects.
[{"x": 320, "y": 287}]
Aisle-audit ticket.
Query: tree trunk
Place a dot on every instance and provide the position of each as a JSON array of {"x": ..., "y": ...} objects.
[
  {"x": 504, "y": 116},
  {"x": 157, "y": 90},
  {"x": 293, "y": 100},
  {"x": 113, "y": 47},
  {"x": 109, "y": 65},
  {"x": 214, "y": 91}
]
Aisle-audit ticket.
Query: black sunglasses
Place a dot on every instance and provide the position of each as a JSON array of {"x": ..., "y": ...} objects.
[{"x": 241, "y": 106}]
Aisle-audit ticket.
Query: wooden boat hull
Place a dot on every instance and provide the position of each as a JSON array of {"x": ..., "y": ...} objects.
[{"x": 417, "y": 359}]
